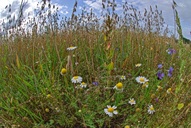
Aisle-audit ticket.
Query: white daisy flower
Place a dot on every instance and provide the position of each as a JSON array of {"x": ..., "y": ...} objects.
[
  {"x": 76, "y": 63},
  {"x": 77, "y": 79},
  {"x": 110, "y": 110},
  {"x": 83, "y": 85},
  {"x": 132, "y": 101},
  {"x": 122, "y": 77},
  {"x": 151, "y": 109},
  {"x": 141, "y": 79},
  {"x": 71, "y": 48},
  {"x": 118, "y": 86}
]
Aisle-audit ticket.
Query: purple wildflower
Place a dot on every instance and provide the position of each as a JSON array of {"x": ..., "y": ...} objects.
[
  {"x": 170, "y": 71},
  {"x": 160, "y": 75},
  {"x": 156, "y": 100},
  {"x": 171, "y": 51},
  {"x": 95, "y": 83},
  {"x": 160, "y": 66}
]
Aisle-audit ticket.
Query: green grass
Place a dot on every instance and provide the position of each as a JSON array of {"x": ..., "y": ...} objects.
[{"x": 35, "y": 94}]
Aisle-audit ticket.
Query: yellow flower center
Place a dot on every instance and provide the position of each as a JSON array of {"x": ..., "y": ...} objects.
[
  {"x": 122, "y": 77},
  {"x": 83, "y": 83},
  {"x": 132, "y": 101},
  {"x": 71, "y": 47},
  {"x": 142, "y": 79},
  {"x": 169, "y": 90},
  {"x": 127, "y": 126},
  {"x": 152, "y": 108},
  {"x": 47, "y": 110},
  {"x": 110, "y": 109},
  {"x": 48, "y": 96},
  {"x": 75, "y": 77},
  {"x": 63, "y": 71},
  {"x": 119, "y": 85}
]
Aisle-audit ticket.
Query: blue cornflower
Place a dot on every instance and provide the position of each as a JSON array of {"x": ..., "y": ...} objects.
[
  {"x": 160, "y": 75},
  {"x": 170, "y": 71},
  {"x": 95, "y": 83},
  {"x": 160, "y": 66},
  {"x": 171, "y": 51}
]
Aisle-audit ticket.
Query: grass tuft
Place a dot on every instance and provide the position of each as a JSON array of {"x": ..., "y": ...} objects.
[{"x": 136, "y": 75}]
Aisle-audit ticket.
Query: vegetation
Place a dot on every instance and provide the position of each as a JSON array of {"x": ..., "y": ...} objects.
[{"x": 122, "y": 71}]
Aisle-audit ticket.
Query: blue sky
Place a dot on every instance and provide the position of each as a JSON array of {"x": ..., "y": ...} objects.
[{"x": 66, "y": 6}]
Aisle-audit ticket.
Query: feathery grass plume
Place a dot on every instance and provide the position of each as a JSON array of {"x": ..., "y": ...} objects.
[
  {"x": 181, "y": 41},
  {"x": 177, "y": 20}
]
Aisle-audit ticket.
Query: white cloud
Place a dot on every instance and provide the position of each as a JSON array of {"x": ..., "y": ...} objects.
[
  {"x": 29, "y": 12},
  {"x": 29, "y": 8},
  {"x": 184, "y": 11},
  {"x": 95, "y": 4},
  {"x": 183, "y": 8}
]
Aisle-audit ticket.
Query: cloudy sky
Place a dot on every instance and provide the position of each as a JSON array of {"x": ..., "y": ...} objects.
[{"x": 66, "y": 6}]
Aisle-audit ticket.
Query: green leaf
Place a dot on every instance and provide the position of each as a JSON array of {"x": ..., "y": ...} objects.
[
  {"x": 51, "y": 122},
  {"x": 110, "y": 66},
  {"x": 180, "y": 106}
]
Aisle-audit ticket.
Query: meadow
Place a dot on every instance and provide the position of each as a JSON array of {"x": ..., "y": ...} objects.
[{"x": 125, "y": 71}]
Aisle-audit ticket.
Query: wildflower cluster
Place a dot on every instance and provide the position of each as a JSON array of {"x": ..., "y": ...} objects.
[
  {"x": 171, "y": 51},
  {"x": 75, "y": 79},
  {"x": 160, "y": 74},
  {"x": 111, "y": 110}
]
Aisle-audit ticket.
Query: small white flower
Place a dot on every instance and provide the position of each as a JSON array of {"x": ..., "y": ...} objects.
[
  {"x": 138, "y": 65},
  {"x": 132, "y": 101},
  {"x": 110, "y": 110},
  {"x": 71, "y": 48},
  {"x": 141, "y": 79},
  {"x": 83, "y": 85},
  {"x": 76, "y": 63},
  {"x": 77, "y": 79},
  {"x": 57, "y": 109},
  {"x": 169, "y": 90},
  {"x": 151, "y": 109},
  {"x": 118, "y": 86},
  {"x": 122, "y": 77}
]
